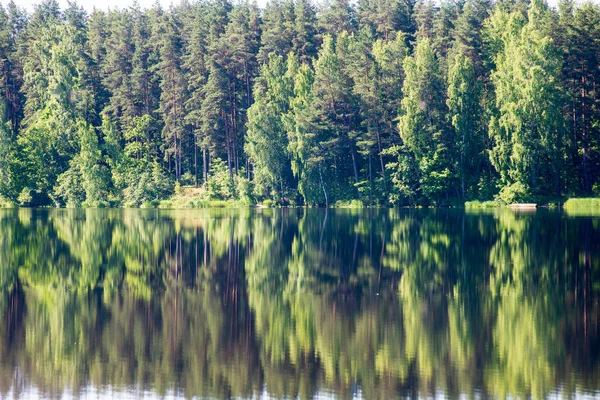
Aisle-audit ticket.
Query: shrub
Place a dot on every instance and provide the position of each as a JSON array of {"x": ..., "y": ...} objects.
[
  {"x": 25, "y": 197},
  {"x": 515, "y": 193}
]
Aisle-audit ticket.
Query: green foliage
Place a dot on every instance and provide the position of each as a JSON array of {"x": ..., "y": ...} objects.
[
  {"x": 581, "y": 204},
  {"x": 514, "y": 193},
  {"x": 266, "y": 137},
  {"x": 8, "y": 159},
  {"x": 528, "y": 130},
  {"x": 422, "y": 125},
  {"x": 386, "y": 102},
  {"x": 220, "y": 184}
]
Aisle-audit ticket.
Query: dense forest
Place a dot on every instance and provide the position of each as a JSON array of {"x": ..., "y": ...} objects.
[{"x": 384, "y": 101}]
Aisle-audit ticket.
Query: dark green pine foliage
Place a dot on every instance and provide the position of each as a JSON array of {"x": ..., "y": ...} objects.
[
  {"x": 172, "y": 85},
  {"x": 214, "y": 134},
  {"x": 7, "y": 137},
  {"x": 117, "y": 68},
  {"x": 144, "y": 82},
  {"x": 277, "y": 30},
  {"x": 579, "y": 41},
  {"x": 304, "y": 42},
  {"x": 97, "y": 35},
  {"x": 386, "y": 17},
  {"x": 335, "y": 17},
  {"x": 195, "y": 68},
  {"x": 236, "y": 53},
  {"x": 424, "y": 16}
]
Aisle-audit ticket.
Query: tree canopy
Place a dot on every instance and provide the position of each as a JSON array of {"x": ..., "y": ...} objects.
[{"x": 387, "y": 102}]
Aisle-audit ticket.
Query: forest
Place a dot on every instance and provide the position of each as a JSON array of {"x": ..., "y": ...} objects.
[{"x": 378, "y": 102}]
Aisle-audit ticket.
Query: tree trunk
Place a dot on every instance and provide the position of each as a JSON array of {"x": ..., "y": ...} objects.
[
  {"x": 324, "y": 191},
  {"x": 196, "y": 159},
  {"x": 204, "y": 166}
]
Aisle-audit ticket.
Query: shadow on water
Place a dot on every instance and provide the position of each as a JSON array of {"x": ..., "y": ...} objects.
[{"x": 294, "y": 302}]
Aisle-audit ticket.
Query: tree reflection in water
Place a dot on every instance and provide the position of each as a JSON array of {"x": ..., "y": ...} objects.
[{"x": 294, "y": 302}]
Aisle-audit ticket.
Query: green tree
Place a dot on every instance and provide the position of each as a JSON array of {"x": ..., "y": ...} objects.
[
  {"x": 465, "y": 116},
  {"x": 172, "y": 85},
  {"x": 528, "y": 130},
  {"x": 277, "y": 29},
  {"x": 422, "y": 124},
  {"x": 266, "y": 138}
]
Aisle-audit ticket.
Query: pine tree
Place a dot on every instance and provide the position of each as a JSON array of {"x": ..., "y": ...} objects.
[
  {"x": 144, "y": 85},
  {"x": 335, "y": 17},
  {"x": 236, "y": 53},
  {"x": 97, "y": 35},
  {"x": 579, "y": 40},
  {"x": 213, "y": 113},
  {"x": 333, "y": 117},
  {"x": 195, "y": 68},
  {"x": 172, "y": 85},
  {"x": 277, "y": 29},
  {"x": 116, "y": 69},
  {"x": 305, "y": 29},
  {"x": 422, "y": 123},
  {"x": 386, "y": 17}
]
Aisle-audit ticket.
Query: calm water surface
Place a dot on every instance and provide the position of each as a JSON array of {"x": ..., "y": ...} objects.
[{"x": 372, "y": 304}]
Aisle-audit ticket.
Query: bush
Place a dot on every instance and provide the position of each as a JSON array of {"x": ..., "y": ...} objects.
[
  {"x": 268, "y": 203},
  {"x": 243, "y": 188},
  {"x": 147, "y": 204},
  {"x": 25, "y": 197},
  {"x": 349, "y": 204},
  {"x": 188, "y": 179},
  {"x": 515, "y": 193},
  {"x": 219, "y": 185},
  {"x": 165, "y": 204}
]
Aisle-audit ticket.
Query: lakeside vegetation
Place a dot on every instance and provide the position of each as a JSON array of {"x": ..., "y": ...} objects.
[{"x": 368, "y": 103}]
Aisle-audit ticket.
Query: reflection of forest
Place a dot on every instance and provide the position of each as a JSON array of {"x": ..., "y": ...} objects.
[{"x": 226, "y": 303}]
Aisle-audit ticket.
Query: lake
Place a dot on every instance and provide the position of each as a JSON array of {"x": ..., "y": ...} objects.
[{"x": 276, "y": 303}]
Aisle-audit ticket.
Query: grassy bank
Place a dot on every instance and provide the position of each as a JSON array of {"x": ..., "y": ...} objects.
[
  {"x": 193, "y": 197},
  {"x": 574, "y": 204},
  {"x": 592, "y": 203},
  {"x": 476, "y": 204},
  {"x": 583, "y": 206}
]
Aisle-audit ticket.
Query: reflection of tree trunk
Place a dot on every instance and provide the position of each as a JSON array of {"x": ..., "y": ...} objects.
[
  {"x": 355, "y": 249},
  {"x": 586, "y": 270},
  {"x": 205, "y": 248},
  {"x": 323, "y": 229}
]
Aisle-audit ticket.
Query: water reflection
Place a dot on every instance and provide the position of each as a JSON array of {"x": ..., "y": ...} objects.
[{"x": 292, "y": 303}]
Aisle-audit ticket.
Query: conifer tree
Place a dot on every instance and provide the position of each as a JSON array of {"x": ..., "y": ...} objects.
[
  {"x": 422, "y": 123},
  {"x": 266, "y": 138}
]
